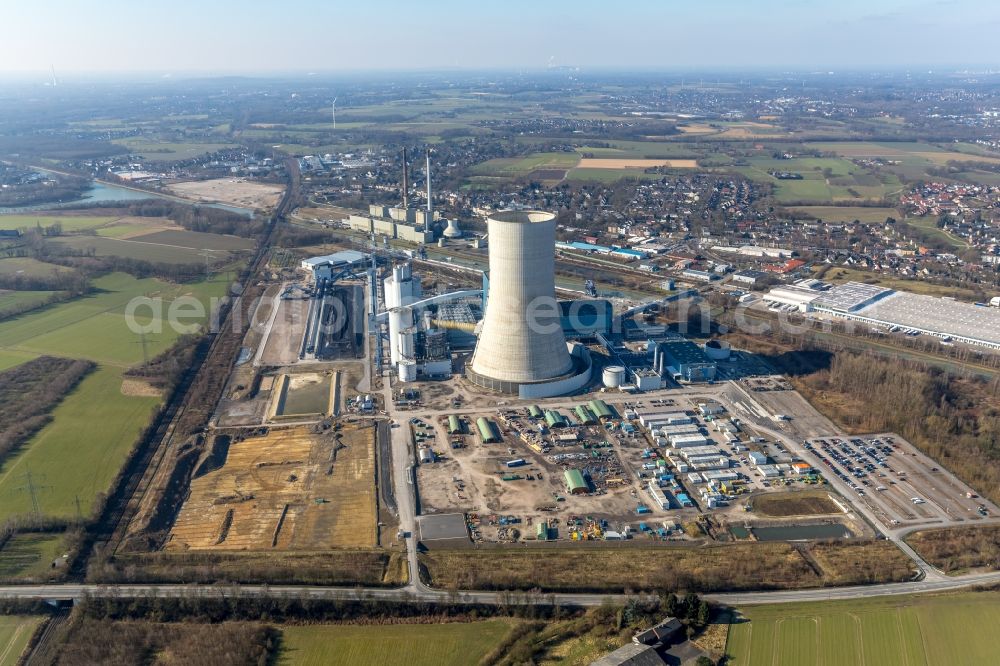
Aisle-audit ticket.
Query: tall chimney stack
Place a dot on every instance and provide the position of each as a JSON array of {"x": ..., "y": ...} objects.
[
  {"x": 430, "y": 206},
  {"x": 406, "y": 185}
]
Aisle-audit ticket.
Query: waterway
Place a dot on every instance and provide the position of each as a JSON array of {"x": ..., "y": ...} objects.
[{"x": 108, "y": 193}]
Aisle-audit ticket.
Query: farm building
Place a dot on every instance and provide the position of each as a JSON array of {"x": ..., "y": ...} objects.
[{"x": 575, "y": 483}]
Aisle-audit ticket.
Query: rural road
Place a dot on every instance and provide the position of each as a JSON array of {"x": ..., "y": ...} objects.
[{"x": 420, "y": 593}]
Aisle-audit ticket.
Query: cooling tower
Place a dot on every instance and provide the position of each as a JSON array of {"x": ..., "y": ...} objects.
[{"x": 522, "y": 339}]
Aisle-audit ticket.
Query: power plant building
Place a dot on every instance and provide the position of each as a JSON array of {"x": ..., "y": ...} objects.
[
  {"x": 683, "y": 359},
  {"x": 522, "y": 349}
]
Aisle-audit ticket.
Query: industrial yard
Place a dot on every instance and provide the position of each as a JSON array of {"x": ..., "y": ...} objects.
[{"x": 284, "y": 489}]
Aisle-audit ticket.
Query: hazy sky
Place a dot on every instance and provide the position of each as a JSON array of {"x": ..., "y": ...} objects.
[{"x": 323, "y": 35}]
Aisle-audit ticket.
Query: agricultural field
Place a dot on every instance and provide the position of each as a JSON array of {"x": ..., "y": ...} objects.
[
  {"x": 609, "y": 175},
  {"x": 542, "y": 166},
  {"x": 456, "y": 643},
  {"x": 78, "y": 454},
  {"x": 17, "y": 299},
  {"x": 164, "y": 246},
  {"x": 288, "y": 490},
  {"x": 15, "y": 632},
  {"x": 151, "y": 149},
  {"x": 29, "y": 555},
  {"x": 95, "y": 326},
  {"x": 634, "y": 163},
  {"x": 29, "y": 266},
  {"x": 10, "y": 358},
  {"x": 69, "y": 223},
  {"x": 823, "y": 179},
  {"x": 931, "y": 630},
  {"x": 847, "y": 214}
]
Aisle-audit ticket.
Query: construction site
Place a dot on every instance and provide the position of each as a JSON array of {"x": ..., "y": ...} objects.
[{"x": 285, "y": 489}]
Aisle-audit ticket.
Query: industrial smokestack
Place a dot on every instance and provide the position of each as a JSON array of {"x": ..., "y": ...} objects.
[
  {"x": 520, "y": 343},
  {"x": 430, "y": 206},
  {"x": 406, "y": 185}
]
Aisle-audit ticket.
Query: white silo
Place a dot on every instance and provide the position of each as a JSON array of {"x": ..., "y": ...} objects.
[
  {"x": 613, "y": 376},
  {"x": 400, "y": 289},
  {"x": 522, "y": 339}
]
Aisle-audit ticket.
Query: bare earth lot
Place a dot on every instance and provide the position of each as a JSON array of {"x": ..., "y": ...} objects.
[
  {"x": 234, "y": 191},
  {"x": 288, "y": 490}
]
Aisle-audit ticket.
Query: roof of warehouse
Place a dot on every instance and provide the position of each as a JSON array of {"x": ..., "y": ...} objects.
[
  {"x": 938, "y": 315},
  {"x": 343, "y": 257},
  {"x": 683, "y": 351},
  {"x": 851, "y": 296}
]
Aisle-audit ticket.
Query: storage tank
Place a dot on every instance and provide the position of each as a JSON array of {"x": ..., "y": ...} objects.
[
  {"x": 522, "y": 338},
  {"x": 613, "y": 376},
  {"x": 717, "y": 350},
  {"x": 407, "y": 371}
]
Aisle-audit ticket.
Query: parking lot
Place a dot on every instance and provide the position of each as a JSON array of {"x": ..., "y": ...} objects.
[{"x": 902, "y": 487}]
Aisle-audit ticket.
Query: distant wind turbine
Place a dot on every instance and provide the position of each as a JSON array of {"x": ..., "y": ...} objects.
[
  {"x": 55, "y": 81},
  {"x": 333, "y": 110}
]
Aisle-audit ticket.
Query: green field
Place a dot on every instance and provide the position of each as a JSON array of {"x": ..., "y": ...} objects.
[
  {"x": 68, "y": 222},
  {"x": 848, "y": 214},
  {"x": 29, "y": 555},
  {"x": 176, "y": 247},
  {"x": 514, "y": 167},
  {"x": 17, "y": 299},
  {"x": 79, "y": 453},
  {"x": 413, "y": 644},
  {"x": 908, "y": 631},
  {"x": 9, "y": 358},
  {"x": 168, "y": 151},
  {"x": 823, "y": 179},
  {"x": 15, "y": 632},
  {"x": 95, "y": 326},
  {"x": 609, "y": 175},
  {"x": 29, "y": 266},
  {"x": 840, "y": 274}
]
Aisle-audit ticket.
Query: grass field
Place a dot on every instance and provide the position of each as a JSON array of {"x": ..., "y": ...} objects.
[
  {"x": 609, "y": 175},
  {"x": 166, "y": 151},
  {"x": 848, "y": 214},
  {"x": 29, "y": 266},
  {"x": 15, "y": 632},
  {"x": 95, "y": 327},
  {"x": 737, "y": 566},
  {"x": 183, "y": 247},
  {"x": 514, "y": 167},
  {"x": 823, "y": 179},
  {"x": 29, "y": 555},
  {"x": 908, "y": 631},
  {"x": 10, "y": 358},
  {"x": 79, "y": 453},
  {"x": 416, "y": 644},
  {"x": 68, "y": 222},
  {"x": 17, "y": 299}
]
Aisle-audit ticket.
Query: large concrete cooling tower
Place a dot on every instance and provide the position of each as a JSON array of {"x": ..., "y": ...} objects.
[{"x": 522, "y": 339}]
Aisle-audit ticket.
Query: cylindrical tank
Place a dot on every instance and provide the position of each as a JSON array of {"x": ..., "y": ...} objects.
[
  {"x": 407, "y": 371},
  {"x": 408, "y": 344},
  {"x": 522, "y": 338},
  {"x": 399, "y": 320},
  {"x": 717, "y": 350},
  {"x": 613, "y": 376}
]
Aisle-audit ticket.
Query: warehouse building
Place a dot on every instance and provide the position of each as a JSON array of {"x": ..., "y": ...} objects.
[
  {"x": 575, "y": 483},
  {"x": 684, "y": 360}
]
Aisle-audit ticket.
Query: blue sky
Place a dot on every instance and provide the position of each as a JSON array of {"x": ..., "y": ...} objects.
[{"x": 315, "y": 35}]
